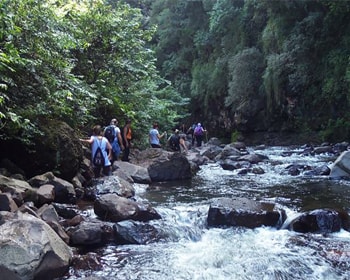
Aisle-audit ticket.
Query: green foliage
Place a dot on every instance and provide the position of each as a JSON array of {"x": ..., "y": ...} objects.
[
  {"x": 245, "y": 70},
  {"x": 82, "y": 62},
  {"x": 336, "y": 130},
  {"x": 235, "y": 136}
]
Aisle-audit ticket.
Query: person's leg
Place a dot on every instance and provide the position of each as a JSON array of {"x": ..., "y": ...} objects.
[
  {"x": 97, "y": 172},
  {"x": 125, "y": 152},
  {"x": 199, "y": 140},
  {"x": 107, "y": 171}
]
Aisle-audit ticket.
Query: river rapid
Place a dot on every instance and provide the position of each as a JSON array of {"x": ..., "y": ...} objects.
[{"x": 190, "y": 250}]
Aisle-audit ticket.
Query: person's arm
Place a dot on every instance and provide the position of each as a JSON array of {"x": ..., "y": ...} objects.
[
  {"x": 125, "y": 130},
  {"x": 161, "y": 135},
  {"x": 109, "y": 147},
  {"x": 90, "y": 140},
  {"x": 120, "y": 140}
]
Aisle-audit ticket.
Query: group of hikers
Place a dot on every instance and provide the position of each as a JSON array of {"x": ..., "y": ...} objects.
[
  {"x": 177, "y": 140},
  {"x": 108, "y": 144}
]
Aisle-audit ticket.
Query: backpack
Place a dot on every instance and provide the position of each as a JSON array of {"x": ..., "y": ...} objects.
[
  {"x": 198, "y": 130},
  {"x": 98, "y": 159},
  {"x": 174, "y": 140},
  {"x": 110, "y": 133}
]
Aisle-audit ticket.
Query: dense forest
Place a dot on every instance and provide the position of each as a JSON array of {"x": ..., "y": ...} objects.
[{"x": 236, "y": 65}]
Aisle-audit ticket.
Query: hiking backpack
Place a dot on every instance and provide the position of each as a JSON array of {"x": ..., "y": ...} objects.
[
  {"x": 110, "y": 133},
  {"x": 98, "y": 159},
  {"x": 198, "y": 130}
]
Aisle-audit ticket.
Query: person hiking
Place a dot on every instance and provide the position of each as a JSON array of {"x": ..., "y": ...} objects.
[
  {"x": 177, "y": 141},
  {"x": 198, "y": 134},
  {"x": 174, "y": 141},
  {"x": 154, "y": 136},
  {"x": 126, "y": 136},
  {"x": 99, "y": 157},
  {"x": 112, "y": 133}
]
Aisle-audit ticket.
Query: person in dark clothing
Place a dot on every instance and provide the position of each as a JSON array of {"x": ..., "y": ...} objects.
[
  {"x": 126, "y": 136},
  {"x": 174, "y": 141},
  {"x": 177, "y": 142}
]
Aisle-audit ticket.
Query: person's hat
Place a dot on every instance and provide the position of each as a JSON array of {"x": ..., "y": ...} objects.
[
  {"x": 199, "y": 124},
  {"x": 176, "y": 131}
]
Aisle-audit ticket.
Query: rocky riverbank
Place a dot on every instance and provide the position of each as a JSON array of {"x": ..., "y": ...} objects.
[{"x": 44, "y": 227}]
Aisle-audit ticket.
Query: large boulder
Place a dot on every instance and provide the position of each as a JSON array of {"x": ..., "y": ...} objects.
[
  {"x": 111, "y": 207},
  {"x": 132, "y": 232},
  {"x": 319, "y": 221},
  {"x": 341, "y": 167},
  {"x": 243, "y": 212},
  {"x": 131, "y": 172},
  {"x": 20, "y": 191},
  {"x": 116, "y": 185},
  {"x": 92, "y": 232},
  {"x": 30, "y": 249},
  {"x": 165, "y": 166},
  {"x": 64, "y": 190}
]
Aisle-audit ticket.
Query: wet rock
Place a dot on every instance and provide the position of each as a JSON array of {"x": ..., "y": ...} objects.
[
  {"x": 317, "y": 221},
  {"x": 338, "y": 148},
  {"x": 253, "y": 158},
  {"x": 91, "y": 233},
  {"x": 210, "y": 151},
  {"x": 322, "y": 170},
  {"x": 229, "y": 164},
  {"x": 228, "y": 151},
  {"x": 91, "y": 261},
  {"x": 116, "y": 185},
  {"x": 243, "y": 212},
  {"x": 66, "y": 211},
  {"x": 131, "y": 232},
  {"x": 323, "y": 149},
  {"x": 214, "y": 141},
  {"x": 258, "y": 170}
]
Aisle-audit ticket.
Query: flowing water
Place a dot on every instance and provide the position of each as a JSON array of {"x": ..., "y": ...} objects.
[{"x": 192, "y": 251}]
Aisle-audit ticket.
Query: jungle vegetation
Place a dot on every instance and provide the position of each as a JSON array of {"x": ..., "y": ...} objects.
[{"x": 235, "y": 65}]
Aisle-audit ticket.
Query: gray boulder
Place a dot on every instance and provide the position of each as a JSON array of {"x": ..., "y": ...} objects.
[
  {"x": 318, "y": 221},
  {"x": 341, "y": 167},
  {"x": 116, "y": 185},
  {"x": 91, "y": 233},
  {"x": 64, "y": 190},
  {"x": 111, "y": 207},
  {"x": 20, "y": 190},
  {"x": 32, "y": 249},
  {"x": 243, "y": 212},
  {"x": 131, "y": 172},
  {"x": 165, "y": 166}
]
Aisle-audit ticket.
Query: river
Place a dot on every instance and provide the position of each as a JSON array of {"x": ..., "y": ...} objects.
[{"x": 193, "y": 251}]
